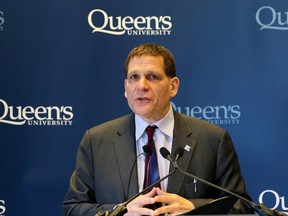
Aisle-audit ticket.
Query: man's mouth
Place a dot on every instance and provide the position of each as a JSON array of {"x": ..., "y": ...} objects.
[{"x": 142, "y": 99}]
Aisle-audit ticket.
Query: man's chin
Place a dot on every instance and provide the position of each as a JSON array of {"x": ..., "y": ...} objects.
[{"x": 147, "y": 116}]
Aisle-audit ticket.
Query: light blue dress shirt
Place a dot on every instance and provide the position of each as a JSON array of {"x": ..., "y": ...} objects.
[{"x": 163, "y": 137}]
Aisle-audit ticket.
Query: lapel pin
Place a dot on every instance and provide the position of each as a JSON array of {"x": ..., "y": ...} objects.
[{"x": 187, "y": 148}]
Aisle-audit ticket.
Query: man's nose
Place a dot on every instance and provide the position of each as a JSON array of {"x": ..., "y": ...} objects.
[{"x": 143, "y": 83}]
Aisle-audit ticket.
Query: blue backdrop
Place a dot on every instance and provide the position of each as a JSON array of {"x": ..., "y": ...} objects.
[{"x": 61, "y": 73}]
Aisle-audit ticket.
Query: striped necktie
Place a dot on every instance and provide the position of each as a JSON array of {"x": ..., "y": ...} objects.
[{"x": 151, "y": 163}]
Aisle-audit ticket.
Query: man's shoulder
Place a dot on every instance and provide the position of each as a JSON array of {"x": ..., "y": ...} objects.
[
  {"x": 121, "y": 123},
  {"x": 196, "y": 123}
]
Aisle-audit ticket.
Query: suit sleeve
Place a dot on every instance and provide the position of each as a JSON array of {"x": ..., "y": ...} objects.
[
  {"x": 228, "y": 173},
  {"x": 80, "y": 198}
]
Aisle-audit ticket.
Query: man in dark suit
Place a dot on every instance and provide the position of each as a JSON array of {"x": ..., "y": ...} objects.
[{"x": 108, "y": 151}]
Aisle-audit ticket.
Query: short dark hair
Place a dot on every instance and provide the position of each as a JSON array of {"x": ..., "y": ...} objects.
[{"x": 153, "y": 50}]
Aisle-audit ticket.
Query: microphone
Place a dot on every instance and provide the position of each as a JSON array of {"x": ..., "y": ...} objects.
[
  {"x": 166, "y": 154},
  {"x": 261, "y": 209},
  {"x": 179, "y": 153},
  {"x": 120, "y": 209},
  {"x": 147, "y": 152}
]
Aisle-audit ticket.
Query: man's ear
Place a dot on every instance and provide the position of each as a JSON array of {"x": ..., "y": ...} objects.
[
  {"x": 125, "y": 92},
  {"x": 174, "y": 83}
]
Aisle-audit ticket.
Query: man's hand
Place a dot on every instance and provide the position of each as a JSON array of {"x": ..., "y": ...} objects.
[
  {"x": 175, "y": 204},
  {"x": 137, "y": 206}
]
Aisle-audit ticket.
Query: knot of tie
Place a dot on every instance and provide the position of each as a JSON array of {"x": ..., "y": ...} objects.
[{"x": 150, "y": 131}]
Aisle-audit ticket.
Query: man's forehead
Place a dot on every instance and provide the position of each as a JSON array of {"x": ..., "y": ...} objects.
[{"x": 146, "y": 61}]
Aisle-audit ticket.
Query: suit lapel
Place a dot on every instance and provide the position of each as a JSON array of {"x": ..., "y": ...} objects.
[
  {"x": 181, "y": 138},
  {"x": 125, "y": 151}
]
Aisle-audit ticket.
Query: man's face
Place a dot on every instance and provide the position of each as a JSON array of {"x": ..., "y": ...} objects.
[{"x": 148, "y": 89}]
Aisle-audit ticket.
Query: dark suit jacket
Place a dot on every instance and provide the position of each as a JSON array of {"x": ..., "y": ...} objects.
[{"x": 107, "y": 152}]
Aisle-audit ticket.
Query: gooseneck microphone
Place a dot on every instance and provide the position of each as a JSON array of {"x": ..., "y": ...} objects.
[
  {"x": 146, "y": 152},
  {"x": 120, "y": 209},
  {"x": 261, "y": 209}
]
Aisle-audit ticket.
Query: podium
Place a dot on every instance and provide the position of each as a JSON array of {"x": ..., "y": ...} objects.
[
  {"x": 219, "y": 206},
  {"x": 222, "y": 206}
]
